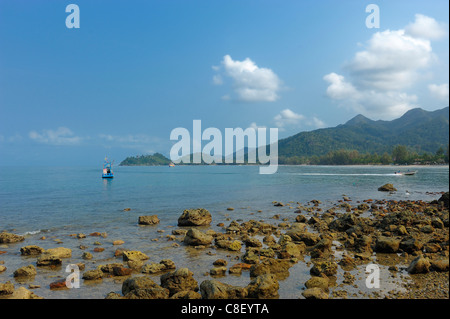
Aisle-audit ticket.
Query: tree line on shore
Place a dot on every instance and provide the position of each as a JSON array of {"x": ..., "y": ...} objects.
[{"x": 401, "y": 155}]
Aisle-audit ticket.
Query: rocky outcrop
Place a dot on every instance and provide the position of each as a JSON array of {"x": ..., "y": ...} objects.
[
  {"x": 327, "y": 268},
  {"x": 163, "y": 265},
  {"x": 143, "y": 288},
  {"x": 419, "y": 265},
  {"x": 213, "y": 289},
  {"x": 263, "y": 287},
  {"x": 318, "y": 282},
  {"x": 195, "y": 217},
  {"x": 134, "y": 255},
  {"x": 26, "y": 271},
  {"x": 387, "y": 188},
  {"x": 31, "y": 250},
  {"x": 59, "y": 252},
  {"x": 195, "y": 237},
  {"x": 314, "y": 293},
  {"x": 387, "y": 244},
  {"x": 93, "y": 274},
  {"x": 179, "y": 280},
  {"x": 232, "y": 245},
  {"x": 6, "y": 238},
  {"x": 148, "y": 220},
  {"x": 277, "y": 267}
]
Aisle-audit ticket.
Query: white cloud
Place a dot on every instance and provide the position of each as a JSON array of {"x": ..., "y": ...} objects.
[
  {"x": 390, "y": 63},
  {"x": 318, "y": 123},
  {"x": 60, "y": 136},
  {"x": 439, "y": 92},
  {"x": 426, "y": 27},
  {"x": 217, "y": 79},
  {"x": 250, "y": 82},
  {"x": 287, "y": 118},
  {"x": 339, "y": 89},
  {"x": 372, "y": 103},
  {"x": 255, "y": 126}
]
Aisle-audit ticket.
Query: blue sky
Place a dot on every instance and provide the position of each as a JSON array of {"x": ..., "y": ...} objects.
[{"x": 135, "y": 70}]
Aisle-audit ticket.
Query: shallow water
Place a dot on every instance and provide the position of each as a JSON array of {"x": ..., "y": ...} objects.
[{"x": 58, "y": 201}]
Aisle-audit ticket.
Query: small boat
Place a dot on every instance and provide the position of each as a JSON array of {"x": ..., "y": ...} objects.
[
  {"x": 107, "y": 169},
  {"x": 408, "y": 172},
  {"x": 171, "y": 165}
]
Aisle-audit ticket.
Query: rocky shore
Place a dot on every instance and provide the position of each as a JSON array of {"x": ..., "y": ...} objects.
[{"x": 408, "y": 240}]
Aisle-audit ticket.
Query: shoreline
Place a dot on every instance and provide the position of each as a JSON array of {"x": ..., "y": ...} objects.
[{"x": 408, "y": 240}]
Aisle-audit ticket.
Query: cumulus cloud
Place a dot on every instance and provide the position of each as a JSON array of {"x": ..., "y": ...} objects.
[
  {"x": 287, "y": 117},
  {"x": 60, "y": 136},
  {"x": 250, "y": 82},
  {"x": 439, "y": 92},
  {"x": 426, "y": 27},
  {"x": 379, "y": 76}
]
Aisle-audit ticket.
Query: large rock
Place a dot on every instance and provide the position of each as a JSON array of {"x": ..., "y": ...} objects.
[
  {"x": 277, "y": 267},
  {"x": 387, "y": 244},
  {"x": 233, "y": 245},
  {"x": 6, "y": 289},
  {"x": 179, "y": 280},
  {"x": 31, "y": 250},
  {"x": 163, "y": 265},
  {"x": 26, "y": 271},
  {"x": 411, "y": 245},
  {"x": 327, "y": 268},
  {"x": 148, "y": 293},
  {"x": 213, "y": 289},
  {"x": 420, "y": 265},
  {"x": 387, "y": 188},
  {"x": 48, "y": 260},
  {"x": 314, "y": 293},
  {"x": 195, "y": 237},
  {"x": 290, "y": 249},
  {"x": 318, "y": 282},
  {"x": 59, "y": 252},
  {"x": 23, "y": 293},
  {"x": 6, "y": 238},
  {"x": 138, "y": 283},
  {"x": 143, "y": 288},
  {"x": 134, "y": 255},
  {"x": 195, "y": 217},
  {"x": 440, "y": 265},
  {"x": 263, "y": 287},
  {"x": 445, "y": 199},
  {"x": 148, "y": 220},
  {"x": 93, "y": 274}
]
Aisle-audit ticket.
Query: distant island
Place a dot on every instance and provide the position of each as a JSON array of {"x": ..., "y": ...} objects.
[
  {"x": 418, "y": 137},
  {"x": 156, "y": 159}
]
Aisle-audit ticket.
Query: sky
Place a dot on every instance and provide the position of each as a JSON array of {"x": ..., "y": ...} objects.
[{"x": 135, "y": 70}]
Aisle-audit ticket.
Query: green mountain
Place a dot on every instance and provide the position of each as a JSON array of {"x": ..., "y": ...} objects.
[
  {"x": 359, "y": 141},
  {"x": 419, "y": 130}
]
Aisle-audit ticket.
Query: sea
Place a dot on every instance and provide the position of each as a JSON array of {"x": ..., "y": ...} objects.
[{"x": 56, "y": 202}]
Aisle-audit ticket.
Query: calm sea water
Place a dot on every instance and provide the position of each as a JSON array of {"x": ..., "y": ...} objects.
[{"x": 58, "y": 201}]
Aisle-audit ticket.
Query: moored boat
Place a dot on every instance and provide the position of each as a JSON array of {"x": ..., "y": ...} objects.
[{"x": 107, "y": 169}]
